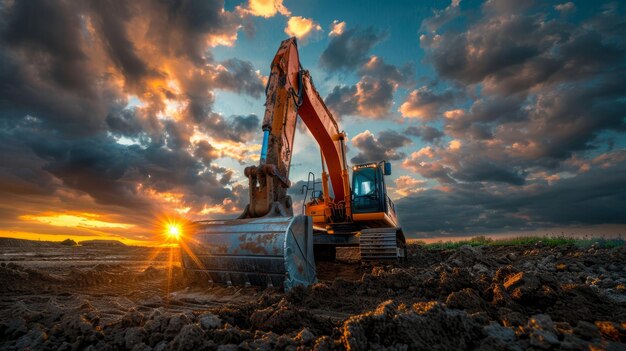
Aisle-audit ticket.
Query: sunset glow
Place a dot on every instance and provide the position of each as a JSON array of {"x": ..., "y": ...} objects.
[
  {"x": 86, "y": 220},
  {"x": 108, "y": 121}
]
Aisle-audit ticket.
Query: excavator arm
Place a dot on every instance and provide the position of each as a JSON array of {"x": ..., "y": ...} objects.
[{"x": 290, "y": 92}]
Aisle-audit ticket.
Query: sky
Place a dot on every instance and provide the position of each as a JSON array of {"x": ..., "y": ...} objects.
[{"x": 498, "y": 116}]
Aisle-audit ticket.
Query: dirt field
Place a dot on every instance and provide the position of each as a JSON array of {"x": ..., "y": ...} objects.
[{"x": 106, "y": 297}]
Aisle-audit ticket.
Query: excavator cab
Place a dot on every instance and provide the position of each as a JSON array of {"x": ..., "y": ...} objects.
[
  {"x": 370, "y": 201},
  {"x": 368, "y": 187}
]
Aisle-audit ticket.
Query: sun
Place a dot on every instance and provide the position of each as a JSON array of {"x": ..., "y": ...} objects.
[{"x": 173, "y": 231}]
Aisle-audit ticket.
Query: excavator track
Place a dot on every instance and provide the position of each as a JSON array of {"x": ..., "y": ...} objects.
[{"x": 379, "y": 244}]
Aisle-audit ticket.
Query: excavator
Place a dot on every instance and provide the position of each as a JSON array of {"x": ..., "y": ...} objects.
[{"x": 269, "y": 245}]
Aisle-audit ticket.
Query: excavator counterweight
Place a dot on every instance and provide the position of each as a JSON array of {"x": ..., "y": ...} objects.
[{"x": 267, "y": 245}]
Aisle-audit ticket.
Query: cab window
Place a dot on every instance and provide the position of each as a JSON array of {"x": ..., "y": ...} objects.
[{"x": 364, "y": 182}]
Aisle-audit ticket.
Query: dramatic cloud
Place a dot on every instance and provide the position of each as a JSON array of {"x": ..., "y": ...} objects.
[
  {"x": 426, "y": 133},
  {"x": 537, "y": 88},
  {"x": 301, "y": 27},
  {"x": 337, "y": 28},
  {"x": 425, "y": 104},
  {"x": 239, "y": 76},
  {"x": 544, "y": 94},
  {"x": 266, "y": 8},
  {"x": 576, "y": 201},
  {"x": 114, "y": 112},
  {"x": 349, "y": 50},
  {"x": 372, "y": 96},
  {"x": 372, "y": 149},
  {"x": 376, "y": 67},
  {"x": 119, "y": 120},
  {"x": 407, "y": 185},
  {"x": 342, "y": 100}
]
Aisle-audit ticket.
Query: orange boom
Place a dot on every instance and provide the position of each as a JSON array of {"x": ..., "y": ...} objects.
[{"x": 267, "y": 244}]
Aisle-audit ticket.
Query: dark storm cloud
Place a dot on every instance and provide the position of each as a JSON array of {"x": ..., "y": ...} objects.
[
  {"x": 383, "y": 147},
  {"x": 110, "y": 19},
  {"x": 514, "y": 52},
  {"x": 484, "y": 114},
  {"x": 493, "y": 45},
  {"x": 57, "y": 65},
  {"x": 525, "y": 152},
  {"x": 206, "y": 152},
  {"x": 421, "y": 162},
  {"x": 240, "y": 77},
  {"x": 372, "y": 95},
  {"x": 47, "y": 27},
  {"x": 377, "y": 68},
  {"x": 426, "y": 104},
  {"x": 349, "y": 50},
  {"x": 45, "y": 70},
  {"x": 235, "y": 128},
  {"x": 390, "y": 139},
  {"x": 181, "y": 27},
  {"x": 581, "y": 200},
  {"x": 375, "y": 97},
  {"x": 342, "y": 100},
  {"x": 124, "y": 122},
  {"x": 69, "y": 71},
  {"x": 426, "y": 133},
  {"x": 482, "y": 170},
  {"x": 110, "y": 172},
  {"x": 548, "y": 86}
]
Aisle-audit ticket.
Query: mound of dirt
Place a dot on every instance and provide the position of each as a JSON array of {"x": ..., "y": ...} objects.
[{"x": 487, "y": 298}]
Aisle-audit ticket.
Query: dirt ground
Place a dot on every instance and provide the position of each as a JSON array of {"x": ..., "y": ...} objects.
[{"x": 105, "y": 297}]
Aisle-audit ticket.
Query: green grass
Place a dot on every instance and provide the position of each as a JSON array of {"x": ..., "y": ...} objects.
[{"x": 525, "y": 240}]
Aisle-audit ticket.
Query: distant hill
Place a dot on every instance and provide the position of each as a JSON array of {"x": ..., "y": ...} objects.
[
  {"x": 12, "y": 242},
  {"x": 101, "y": 243},
  {"x": 25, "y": 243}
]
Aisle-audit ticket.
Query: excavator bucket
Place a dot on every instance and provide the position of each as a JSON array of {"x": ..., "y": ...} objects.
[{"x": 265, "y": 251}]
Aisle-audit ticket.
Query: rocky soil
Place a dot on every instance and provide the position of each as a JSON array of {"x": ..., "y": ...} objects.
[{"x": 485, "y": 298}]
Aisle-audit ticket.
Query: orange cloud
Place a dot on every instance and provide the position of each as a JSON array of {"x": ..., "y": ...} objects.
[
  {"x": 412, "y": 109},
  {"x": 227, "y": 206},
  {"x": 424, "y": 152},
  {"x": 407, "y": 185},
  {"x": 454, "y": 114},
  {"x": 337, "y": 28},
  {"x": 226, "y": 39},
  {"x": 454, "y": 145},
  {"x": 240, "y": 151},
  {"x": 266, "y": 8},
  {"x": 425, "y": 104},
  {"x": 301, "y": 27}
]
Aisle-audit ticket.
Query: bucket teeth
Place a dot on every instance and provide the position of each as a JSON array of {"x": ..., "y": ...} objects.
[{"x": 377, "y": 244}]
